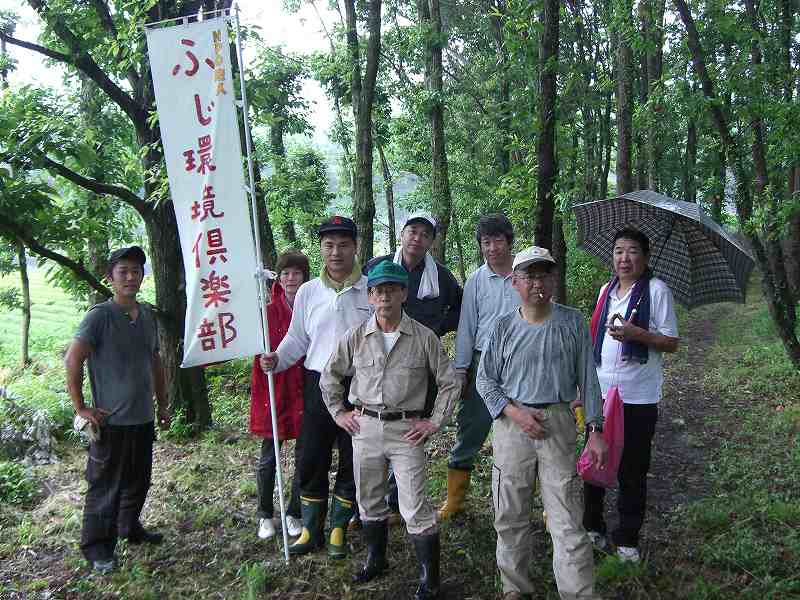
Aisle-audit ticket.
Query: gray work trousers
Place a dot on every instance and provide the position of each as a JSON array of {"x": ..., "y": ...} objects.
[
  {"x": 518, "y": 461},
  {"x": 377, "y": 445}
]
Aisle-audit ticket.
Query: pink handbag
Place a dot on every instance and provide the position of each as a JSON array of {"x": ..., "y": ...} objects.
[{"x": 614, "y": 435}]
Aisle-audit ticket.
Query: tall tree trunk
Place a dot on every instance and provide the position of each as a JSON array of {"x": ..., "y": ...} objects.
[
  {"x": 263, "y": 226},
  {"x": 655, "y": 36},
  {"x": 4, "y": 71},
  {"x": 690, "y": 162},
  {"x": 431, "y": 20},
  {"x": 98, "y": 244},
  {"x": 791, "y": 242},
  {"x": 624, "y": 89},
  {"x": 388, "y": 192},
  {"x": 721, "y": 180},
  {"x": 278, "y": 149},
  {"x": 560, "y": 255},
  {"x": 462, "y": 270},
  {"x": 546, "y": 140},
  {"x": 502, "y": 153},
  {"x": 269, "y": 253},
  {"x": 363, "y": 94},
  {"x": 25, "y": 325},
  {"x": 640, "y": 133},
  {"x": 588, "y": 112},
  {"x": 605, "y": 140},
  {"x": 769, "y": 255}
]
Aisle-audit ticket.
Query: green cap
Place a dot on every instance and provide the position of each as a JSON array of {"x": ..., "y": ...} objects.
[{"x": 387, "y": 271}]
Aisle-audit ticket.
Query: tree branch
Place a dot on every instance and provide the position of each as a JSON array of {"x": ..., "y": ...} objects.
[
  {"x": 18, "y": 233},
  {"x": 101, "y": 7},
  {"x": 97, "y": 187},
  {"x": 36, "y": 48},
  {"x": 81, "y": 59}
]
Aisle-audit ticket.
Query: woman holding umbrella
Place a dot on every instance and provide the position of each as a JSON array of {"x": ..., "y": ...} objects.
[
  {"x": 293, "y": 270},
  {"x": 633, "y": 324}
]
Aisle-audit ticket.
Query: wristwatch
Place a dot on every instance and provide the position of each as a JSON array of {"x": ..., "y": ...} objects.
[{"x": 594, "y": 428}]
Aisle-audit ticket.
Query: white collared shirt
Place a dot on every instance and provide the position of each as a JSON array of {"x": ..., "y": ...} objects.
[
  {"x": 638, "y": 383},
  {"x": 320, "y": 317}
]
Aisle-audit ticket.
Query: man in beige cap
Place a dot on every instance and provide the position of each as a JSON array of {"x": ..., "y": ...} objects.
[
  {"x": 536, "y": 359},
  {"x": 391, "y": 358}
]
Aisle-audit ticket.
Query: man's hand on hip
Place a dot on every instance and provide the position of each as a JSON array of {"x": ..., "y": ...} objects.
[
  {"x": 421, "y": 430},
  {"x": 348, "y": 421}
]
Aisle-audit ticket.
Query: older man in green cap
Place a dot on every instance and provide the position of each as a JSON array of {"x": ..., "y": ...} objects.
[{"x": 391, "y": 358}]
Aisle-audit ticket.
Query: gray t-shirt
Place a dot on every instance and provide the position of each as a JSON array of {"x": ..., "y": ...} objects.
[
  {"x": 540, "y": 364},
  {"x": 121, "y": 361}
]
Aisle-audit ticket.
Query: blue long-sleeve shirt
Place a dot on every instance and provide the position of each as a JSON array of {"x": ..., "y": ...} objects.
[{"x": 487, "y": 296}]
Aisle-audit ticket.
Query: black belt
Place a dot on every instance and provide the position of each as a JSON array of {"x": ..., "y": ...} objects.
[
  {"x": 543, "y": 404},
  {"x": 389, "y": 416}
]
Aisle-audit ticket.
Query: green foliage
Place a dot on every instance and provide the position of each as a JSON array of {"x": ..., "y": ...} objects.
[
  {"x": 255, "y": 579},
  {"x": 10, "y": 299},
  {"x": 16, "y": 484},
  {"x": 229, "y": 393},
  {"x": 180, "y": 430},
  {"x": 297, "y": 192}
]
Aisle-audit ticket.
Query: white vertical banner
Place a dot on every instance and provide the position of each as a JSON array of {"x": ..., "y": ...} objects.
[{"x": 197, "y": 114}]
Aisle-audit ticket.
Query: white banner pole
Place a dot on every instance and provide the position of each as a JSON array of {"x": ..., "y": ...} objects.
[{"x": 261, "y": 288}]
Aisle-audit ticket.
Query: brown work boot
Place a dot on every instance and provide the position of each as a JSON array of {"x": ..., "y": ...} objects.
[{"x": 457, "y": 485}]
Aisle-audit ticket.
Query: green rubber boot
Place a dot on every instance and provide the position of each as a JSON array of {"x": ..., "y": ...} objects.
[
  {"x": 313, "y": 535},
  {"x": 341, "y": 512}
]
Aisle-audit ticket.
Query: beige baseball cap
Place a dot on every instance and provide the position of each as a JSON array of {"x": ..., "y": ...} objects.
[{"x": 532, "y": 254}]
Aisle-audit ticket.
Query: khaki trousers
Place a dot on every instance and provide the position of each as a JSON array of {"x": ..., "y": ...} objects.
[
  {"x": 375, "y": 446},
  {"x": 518, "y": 460}
]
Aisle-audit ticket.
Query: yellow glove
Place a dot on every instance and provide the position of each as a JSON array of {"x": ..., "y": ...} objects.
[{"x": 580, "y": 419}]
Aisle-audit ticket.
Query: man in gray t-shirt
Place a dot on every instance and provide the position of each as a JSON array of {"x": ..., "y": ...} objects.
[
  {"x": 537, "y": 359},
  {"x": 119, "y": 339}
]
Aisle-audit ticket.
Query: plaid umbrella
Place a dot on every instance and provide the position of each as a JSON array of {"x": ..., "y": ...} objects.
[{"x": 698, "y": 259}]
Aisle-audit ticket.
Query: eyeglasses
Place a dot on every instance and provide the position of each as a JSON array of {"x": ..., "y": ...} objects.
[{"x": 528, "y": 277}]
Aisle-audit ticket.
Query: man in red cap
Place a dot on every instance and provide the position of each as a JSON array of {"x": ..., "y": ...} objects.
[{"x": 325, "y": 308}]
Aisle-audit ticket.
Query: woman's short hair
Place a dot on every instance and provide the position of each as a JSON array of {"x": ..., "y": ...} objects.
[
  {"x": 293, "y": 259},
  {"x": 629, "y": 233},
  {"x": 494, "y": 224}
]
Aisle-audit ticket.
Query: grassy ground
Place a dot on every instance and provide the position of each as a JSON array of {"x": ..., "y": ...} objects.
[{"x": 729, "y": 531}]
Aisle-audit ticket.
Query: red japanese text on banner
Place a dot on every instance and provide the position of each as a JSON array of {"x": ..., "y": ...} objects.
[{"x": 197, "y": 114}]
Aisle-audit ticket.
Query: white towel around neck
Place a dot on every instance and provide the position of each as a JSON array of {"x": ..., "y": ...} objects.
[{"x": 429, "y": 285}]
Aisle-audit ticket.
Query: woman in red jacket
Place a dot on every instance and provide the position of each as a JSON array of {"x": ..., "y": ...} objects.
[{"x": 293, "y": 271}]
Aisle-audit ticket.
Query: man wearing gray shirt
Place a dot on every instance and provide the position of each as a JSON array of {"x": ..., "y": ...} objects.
[
  {"x": 119, "y": 339},
  {"x": 537, "y": 358},
  {"x": 488, "y": 294}
]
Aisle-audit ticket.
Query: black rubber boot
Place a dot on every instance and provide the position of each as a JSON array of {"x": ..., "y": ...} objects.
[
  {"x": 375, "y": 533},
  {"x": 342, "y": 511},
  {"x": 427, "y": 550},
  {"x": 313, "y": 535}
]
